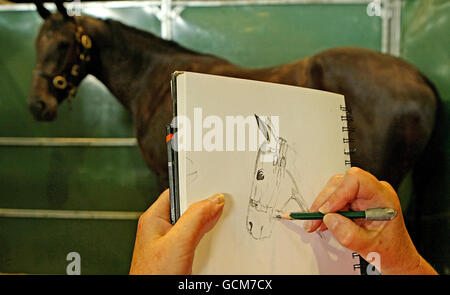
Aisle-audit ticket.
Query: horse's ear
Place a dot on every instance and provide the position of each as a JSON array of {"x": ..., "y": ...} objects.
[
  {"x": 62, "y": 9},
  {"x": 263, "y": 127},
  {"x": 43, "y": 12}
]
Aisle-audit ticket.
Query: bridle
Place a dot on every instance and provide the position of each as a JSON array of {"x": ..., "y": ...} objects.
[{"x": 65, "y": 82}]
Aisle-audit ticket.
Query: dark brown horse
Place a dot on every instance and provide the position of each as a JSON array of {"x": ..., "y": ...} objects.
[{"x": 393, "y": 106}]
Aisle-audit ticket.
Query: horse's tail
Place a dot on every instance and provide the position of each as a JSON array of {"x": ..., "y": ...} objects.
[
  {"x": 434, "y": 145},
  {"x": 429, "y": 168}
]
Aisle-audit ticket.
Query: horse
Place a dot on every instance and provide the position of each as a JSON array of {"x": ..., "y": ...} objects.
[
  {"x": 275, "y": 188},
  {"x": 392, "y": 104}
]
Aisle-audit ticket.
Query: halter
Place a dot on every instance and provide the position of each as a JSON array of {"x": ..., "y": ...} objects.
[{"x": 65, "y": 83}]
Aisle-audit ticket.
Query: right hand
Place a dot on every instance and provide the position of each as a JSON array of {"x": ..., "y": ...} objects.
[{"x": 358, "y": 190}]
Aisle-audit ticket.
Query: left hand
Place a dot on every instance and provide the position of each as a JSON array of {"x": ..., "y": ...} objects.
[{"x": 161, "y": 248}]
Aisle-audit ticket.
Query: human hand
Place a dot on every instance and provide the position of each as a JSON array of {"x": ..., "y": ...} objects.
[
  {"x": 358, "y": 190},
  {"x": 161, "y": 248}
]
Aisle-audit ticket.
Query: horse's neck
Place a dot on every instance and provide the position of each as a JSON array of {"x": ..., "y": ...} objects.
[
  {"x": 136, "y": 65},
  {"x": 126, "y": 60}
]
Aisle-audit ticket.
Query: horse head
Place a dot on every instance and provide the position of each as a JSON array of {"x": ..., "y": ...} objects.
[
  {"x": 269, "y": 172},
  {"x": 274, "y": 187},
  {"x": 63, "y": 54}
]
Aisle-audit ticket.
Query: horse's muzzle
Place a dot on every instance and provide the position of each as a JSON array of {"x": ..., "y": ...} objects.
[{"x": 40, "y": 111}]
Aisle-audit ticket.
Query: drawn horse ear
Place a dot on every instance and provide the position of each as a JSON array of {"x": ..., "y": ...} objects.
[
  {"x": 43, "y": 12},
  {"x": 266, "y": 127},
  {"x": 263, "y": 127}
]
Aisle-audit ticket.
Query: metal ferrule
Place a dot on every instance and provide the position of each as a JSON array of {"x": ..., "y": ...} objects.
[{"x": 380, "y": 214}]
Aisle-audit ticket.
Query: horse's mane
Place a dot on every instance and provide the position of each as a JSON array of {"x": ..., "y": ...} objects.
[{"x": 146, "y": 39}]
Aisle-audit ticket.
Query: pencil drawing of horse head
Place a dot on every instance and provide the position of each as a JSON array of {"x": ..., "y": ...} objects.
[{"x": 274, "y": 188}]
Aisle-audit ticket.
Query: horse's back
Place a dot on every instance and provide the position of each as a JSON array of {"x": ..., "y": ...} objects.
[{"x": 393, "y": 106}]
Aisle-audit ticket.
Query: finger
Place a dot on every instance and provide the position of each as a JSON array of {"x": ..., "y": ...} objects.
[
  {"x": 348, "y": 233},
  {"x": 322, "y": 227},
  {"x": 161, "y": 207},
  {"x": 155, "y": 221},
  {"x": 198, "y": 219},
  {"x": 330, "y": 187},
  {"x": 356, "y": 183},
  {"x": 323, "y": 196}
]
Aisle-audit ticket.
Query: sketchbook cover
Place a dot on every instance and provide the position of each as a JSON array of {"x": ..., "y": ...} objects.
[{"x": 300, "y": 146}]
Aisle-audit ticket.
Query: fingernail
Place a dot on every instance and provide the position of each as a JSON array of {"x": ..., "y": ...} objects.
[
  {"x": 307, "y": 226},
  {"x": 217, "y": 198},
  {"x": 325, "y": 208}
]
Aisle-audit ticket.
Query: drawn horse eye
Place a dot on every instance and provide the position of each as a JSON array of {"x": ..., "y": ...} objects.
[
  {"x": 283, "y": 162},
  {"x": 260, "y": 175}
]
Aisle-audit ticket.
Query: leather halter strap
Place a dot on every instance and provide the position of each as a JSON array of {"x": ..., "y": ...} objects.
[{"x": 64, "y": 84}]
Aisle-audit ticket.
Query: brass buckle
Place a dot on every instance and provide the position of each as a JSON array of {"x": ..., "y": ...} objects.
[
  {"x": 78, "y": 33},
  {"x": 60, "y": 82},
  {"x": 86, "y": 41},
  {"x": 75, "y": 71},
  {"x": 85, "y": 58},
  {"x": 72, "y": 92}
]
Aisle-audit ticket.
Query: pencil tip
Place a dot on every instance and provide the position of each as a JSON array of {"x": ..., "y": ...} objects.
[{"x": 278, "y": 216}]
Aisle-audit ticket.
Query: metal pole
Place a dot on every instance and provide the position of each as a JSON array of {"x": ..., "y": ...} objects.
[
  {"x": 395, "y": 27},
  {"x": 166, "y": 19},
  {"x": 61, "y": 142},
  {"x": 385, "y": 18},
  {"x": 69, "y": 214},
  {"x": 391, "y": 26}
]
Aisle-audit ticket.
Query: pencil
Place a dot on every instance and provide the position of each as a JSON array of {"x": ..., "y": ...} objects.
[
  {"x": 374, "y": 214},
  {"x": 170, "y": 167}
]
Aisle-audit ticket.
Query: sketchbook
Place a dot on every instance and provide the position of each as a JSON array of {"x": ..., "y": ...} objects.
[{"x": 270, "y": 149}]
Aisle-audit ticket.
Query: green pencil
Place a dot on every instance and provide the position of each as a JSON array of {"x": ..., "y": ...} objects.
[{"x": 379, "y": 214}]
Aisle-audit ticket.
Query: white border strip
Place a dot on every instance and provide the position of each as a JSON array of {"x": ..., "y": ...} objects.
[
  {"x": 69, "y": 214},
  {"x": 265, "y": 2},
  {"x": 93, "y": 4},
  {"x": 130, "y": 4},
  {"x": 60, "y": 141}
]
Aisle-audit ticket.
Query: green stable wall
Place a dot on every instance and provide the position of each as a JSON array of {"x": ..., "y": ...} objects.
[{"x": 116, "y": 178}]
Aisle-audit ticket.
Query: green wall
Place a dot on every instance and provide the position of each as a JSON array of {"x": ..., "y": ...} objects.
[
  {"x": 260, "y": 36},
  {"x": 117, "y": 179},
  {"x": 66, "y": 178}
]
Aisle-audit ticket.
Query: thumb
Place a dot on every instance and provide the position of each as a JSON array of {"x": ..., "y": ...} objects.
[
  {"x": 197, "y": 220},
  {"x": 348, "y": 233}
]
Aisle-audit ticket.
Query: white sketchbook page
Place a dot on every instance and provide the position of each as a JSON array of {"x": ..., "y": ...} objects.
[{"x": 310, "y": 122}]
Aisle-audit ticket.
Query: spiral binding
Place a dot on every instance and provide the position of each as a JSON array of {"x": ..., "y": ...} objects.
[
  {"x": 357, "y": 265},
  {"x": 347, "y": 116}
]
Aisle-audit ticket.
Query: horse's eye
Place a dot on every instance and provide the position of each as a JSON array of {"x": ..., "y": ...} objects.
[
  {"x": 63, "y": 45},
  {"x": 260, "y": 175}
]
